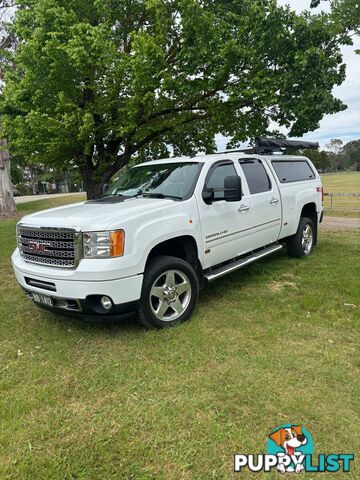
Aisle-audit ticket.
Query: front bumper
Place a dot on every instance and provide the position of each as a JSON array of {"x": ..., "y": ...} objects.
[
  {"x": 81, "y": 298},
  {"x": 87, "y": 309}
]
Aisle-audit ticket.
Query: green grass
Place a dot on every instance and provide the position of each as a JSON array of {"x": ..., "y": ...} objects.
[
  {"x": 342, "y": 183},
  {"x": 269, "y": 344}
]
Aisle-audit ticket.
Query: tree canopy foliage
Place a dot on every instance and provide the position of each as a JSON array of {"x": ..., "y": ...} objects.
[
  {"x": 96, "y": 82},
  {"x": 346, "y": 14}
]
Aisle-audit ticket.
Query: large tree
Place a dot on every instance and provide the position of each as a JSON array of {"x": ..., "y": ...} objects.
[
  {"x": 7, "y": 202},
  {"x": 99, "y": 81}
]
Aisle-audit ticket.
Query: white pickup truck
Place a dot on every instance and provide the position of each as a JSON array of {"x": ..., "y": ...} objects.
[{"x": 162, "y": 230}]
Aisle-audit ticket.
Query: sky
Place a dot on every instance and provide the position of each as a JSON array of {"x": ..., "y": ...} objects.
[{"x": 343, "y": 125}]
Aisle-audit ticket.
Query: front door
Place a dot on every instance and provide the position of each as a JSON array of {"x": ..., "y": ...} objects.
[{"x": 222, "y": 223}]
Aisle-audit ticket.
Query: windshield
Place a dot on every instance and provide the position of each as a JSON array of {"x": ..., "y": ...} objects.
[{"x": 175, "y": 180}]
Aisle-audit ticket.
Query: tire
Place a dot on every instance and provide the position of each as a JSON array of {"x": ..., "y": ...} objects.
[
  {"x": 169, "y": 293},
  {"x": 302, "y": 243}
]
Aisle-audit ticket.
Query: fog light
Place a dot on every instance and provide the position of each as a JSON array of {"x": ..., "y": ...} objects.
[{"x": 106, "y": 302}]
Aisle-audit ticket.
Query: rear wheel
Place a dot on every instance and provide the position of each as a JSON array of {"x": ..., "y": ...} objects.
[
  {"x": 302, "y": 243},
  {"x": 169, "y": 294}
]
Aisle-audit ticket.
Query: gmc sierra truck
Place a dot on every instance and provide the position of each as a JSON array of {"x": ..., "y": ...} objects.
[{"x": 163, "y": 230}]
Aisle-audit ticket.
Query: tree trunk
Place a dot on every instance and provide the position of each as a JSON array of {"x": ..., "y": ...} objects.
[
  {"x": 7, "y": 203},
  {"x": 92, "y": 189}
]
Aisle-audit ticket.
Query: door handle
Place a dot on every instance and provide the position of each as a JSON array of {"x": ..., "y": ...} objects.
[
  {"x": 274, "y": 200},
  {"x": 244, "y": 208}
]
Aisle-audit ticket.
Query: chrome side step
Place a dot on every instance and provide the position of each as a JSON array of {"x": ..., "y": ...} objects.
[{"x": 230, "y": 267}]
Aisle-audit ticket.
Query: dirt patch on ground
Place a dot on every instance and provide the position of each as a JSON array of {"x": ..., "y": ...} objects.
[
  {"x": 276, "y": 287},
  {"x": 286, "y": 281},
  {"x": 340, "y": 223},
  {"x": 8, "y": 217},
  {"x": 288, "y": 275}
]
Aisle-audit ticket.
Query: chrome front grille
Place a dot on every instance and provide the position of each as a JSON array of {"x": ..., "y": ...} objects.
[{"x": 56, "y": 247}]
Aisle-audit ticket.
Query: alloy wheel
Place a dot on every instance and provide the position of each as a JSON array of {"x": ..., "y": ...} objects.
[
  {"x": 170, "y": 295},
  {"x": 307, "y": 239}
]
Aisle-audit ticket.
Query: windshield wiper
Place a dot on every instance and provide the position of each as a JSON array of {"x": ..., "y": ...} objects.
[
  {"x": 139, "y": 193},
  {"x": 112, "y": 195},
  {"x": 160, "y": 195}
]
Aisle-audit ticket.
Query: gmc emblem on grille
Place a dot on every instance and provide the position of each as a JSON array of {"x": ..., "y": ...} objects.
[{"x": 36, "y": 247}]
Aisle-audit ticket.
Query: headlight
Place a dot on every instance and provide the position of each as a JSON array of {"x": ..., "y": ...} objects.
[{"x": 103, "y": 244}]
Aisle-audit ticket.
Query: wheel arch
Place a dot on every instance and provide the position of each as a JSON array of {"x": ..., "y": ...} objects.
[
  {"x": 309, "y": 210},
  {"x": 184, "y": 247}
]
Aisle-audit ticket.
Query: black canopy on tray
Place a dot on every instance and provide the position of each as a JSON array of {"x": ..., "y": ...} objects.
[{"x": 269, "y": 145}]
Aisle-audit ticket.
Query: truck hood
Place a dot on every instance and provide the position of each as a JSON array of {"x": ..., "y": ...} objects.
[{"x": 96, "y": 216}]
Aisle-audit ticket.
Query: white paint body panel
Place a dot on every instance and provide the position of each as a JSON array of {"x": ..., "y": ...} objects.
[
  {"x": 121, "y": 291},
  {"x": 219, "y": 229}
]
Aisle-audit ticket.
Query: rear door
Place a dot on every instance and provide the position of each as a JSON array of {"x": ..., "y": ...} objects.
[{"x": 265, "y": 215}]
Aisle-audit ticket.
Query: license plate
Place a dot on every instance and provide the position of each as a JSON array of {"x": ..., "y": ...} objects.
[{"x": 43, "y": 299}]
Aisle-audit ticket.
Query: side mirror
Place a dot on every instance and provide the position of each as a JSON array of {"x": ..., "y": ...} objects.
[
  {"x": 208, "y": 195},
  {"x": 232, "y": 189},
  {"x": 105, "y": 187}
]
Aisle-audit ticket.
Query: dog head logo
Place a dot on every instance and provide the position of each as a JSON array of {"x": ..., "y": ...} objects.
[{"x": 291, "y": 441}]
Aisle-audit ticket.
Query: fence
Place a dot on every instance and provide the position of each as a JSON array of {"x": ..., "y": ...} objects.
[{"x": 342, "y": 201}]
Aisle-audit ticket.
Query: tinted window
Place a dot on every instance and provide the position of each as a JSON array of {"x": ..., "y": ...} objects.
[
  {"x": 293, "y": 171},
  {"x": 256, "y": 176},
  {"x": 217, "y": 177}
]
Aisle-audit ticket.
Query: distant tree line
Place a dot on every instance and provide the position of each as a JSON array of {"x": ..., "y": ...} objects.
[{"x": 336, "y": 156}]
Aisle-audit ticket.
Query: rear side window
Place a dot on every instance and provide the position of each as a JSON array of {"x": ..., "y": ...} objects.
[
  {"x": 293, "y": 171},
  {"x": 256, "y": 176}
]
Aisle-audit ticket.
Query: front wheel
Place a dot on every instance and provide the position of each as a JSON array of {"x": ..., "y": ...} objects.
[
  {"x": 302, "y": 243},
  {"x": 169, "y": 294}
]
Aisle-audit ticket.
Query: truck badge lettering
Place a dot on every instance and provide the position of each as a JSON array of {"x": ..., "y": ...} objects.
[
  {"x": 36, "y": 247},
  {"x": 216, "y": 234}
]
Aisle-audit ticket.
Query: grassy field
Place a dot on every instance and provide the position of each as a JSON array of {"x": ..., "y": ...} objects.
[
  {"x": 51, "y": 202},
  {"x": 342, "y": 183},
  {"x": 270, "y": 344}
]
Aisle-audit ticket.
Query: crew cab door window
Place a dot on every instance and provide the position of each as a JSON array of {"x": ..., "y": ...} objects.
[
  {"x": 217, "y": 177},
  {"x": 256, "y": 176}
]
